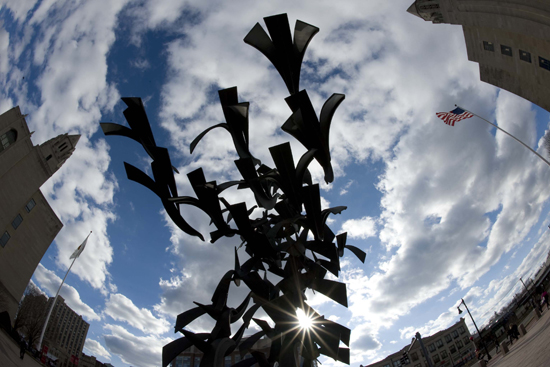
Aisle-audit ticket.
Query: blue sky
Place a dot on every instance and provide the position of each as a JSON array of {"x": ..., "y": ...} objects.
[{"x": 443, "y": 212}]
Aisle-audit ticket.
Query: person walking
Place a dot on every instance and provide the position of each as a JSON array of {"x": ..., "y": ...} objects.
[
  {"x": 497, "y": 344},
  {"x": 22, "y": 348},
  {"x": 513, "y": 333},
  {"x": 544, "y": 299}
]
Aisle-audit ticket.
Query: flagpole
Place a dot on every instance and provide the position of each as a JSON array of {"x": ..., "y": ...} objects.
[
  {"x": 54, "y": 300},
  {"x": 507, "y": 133}
]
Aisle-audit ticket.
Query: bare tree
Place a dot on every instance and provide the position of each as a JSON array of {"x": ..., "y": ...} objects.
[{"x": 31, "y": 313}]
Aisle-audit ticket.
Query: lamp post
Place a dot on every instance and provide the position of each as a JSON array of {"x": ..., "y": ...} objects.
[{"x": 478, "y": 332}]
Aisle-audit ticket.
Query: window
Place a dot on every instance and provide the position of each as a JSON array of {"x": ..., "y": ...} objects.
[
  {"x": 197, "y": 361},
  {"x": 506, "y": 50},
  {"x": 227, "y": 361},
  {"x": 459, "y": 344},
  {"x": 397, "y": 364},
  {"x": 4, "y": 239},
  {"x": 435, "y": 358},
  {"x": 466, "y": 340},
  {"x": 461, "y": 330},
  {"x": 387, "y": 365},
  {"x": 439, "y": 343},
  {"x": 7, "y": 139},
  {"x": 488, "y": 46},
  {"x": 179, "y": 361},
  {"x": 444, "y": 354},
  {"x": 414, "y": 356},
  {"x": 31, "y": 204},
  {"x": 452, "y": 349},
  {"x": 448, "y": 338},
  {"x": 454, "y": 334},
  {"x": 431, "y": 347},
  {"x": 237, "y": 358},
  {"x": 17, "y": 221},
  {"x": 525, "y": 56},
  {"x": 49, "y": 157},
  {"x": 543, "y": 63},
  {"x": 186, "y": 361}
]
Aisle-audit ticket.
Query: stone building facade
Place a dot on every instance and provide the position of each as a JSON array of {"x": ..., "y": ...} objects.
[
  {"x": 509, "y": 39},
  {"x": 65, "y": 336},
  {"x": 28, "y": 225},
  {"x": 446, "y": 348}
]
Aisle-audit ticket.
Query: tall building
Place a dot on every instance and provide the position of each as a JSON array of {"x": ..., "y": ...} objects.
[
  {"x": 510, "y": 39},
  {"x": 446, "y": 348},
  {"x": 28, "y": 225},
  {"x": 65, "y": 334}
]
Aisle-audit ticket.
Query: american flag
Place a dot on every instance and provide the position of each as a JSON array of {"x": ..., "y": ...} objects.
[{"x": 454, "y": 116}]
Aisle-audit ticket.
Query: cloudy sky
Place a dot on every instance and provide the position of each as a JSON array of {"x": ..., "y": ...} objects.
[{"x": 443, "y": 212}]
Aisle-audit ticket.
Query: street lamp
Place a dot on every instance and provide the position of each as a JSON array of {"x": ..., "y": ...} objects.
[{"x": 478, "y": 332}]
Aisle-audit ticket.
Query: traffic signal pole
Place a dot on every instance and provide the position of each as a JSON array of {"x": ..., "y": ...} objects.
[{"x": 426, "y": 355}]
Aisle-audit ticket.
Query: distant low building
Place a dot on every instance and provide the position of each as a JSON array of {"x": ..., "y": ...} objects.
[
  {"x": 510, "y": 40},
  {"x": 87, "y": 361},
  {"x": 446, "y": 348},
  {"x": 192, "y": 356},
  {"x": 28, "y": 225}
]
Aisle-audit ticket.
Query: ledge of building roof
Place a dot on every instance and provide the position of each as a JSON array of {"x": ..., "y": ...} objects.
[{"x": 412, "y": 9}]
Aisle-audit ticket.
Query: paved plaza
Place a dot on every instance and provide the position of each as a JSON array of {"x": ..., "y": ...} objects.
[
  {"x": 9, "y": 354},
  {"x": 531, "y": 350}
]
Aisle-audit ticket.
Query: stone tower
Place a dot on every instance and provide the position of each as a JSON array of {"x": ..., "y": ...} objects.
[{"x": 28, "y": 225}]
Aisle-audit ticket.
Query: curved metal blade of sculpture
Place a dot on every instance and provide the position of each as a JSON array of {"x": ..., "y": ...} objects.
[{"x": 279, "y": 238}]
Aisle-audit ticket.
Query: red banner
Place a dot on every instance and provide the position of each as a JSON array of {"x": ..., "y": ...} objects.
[{"x": 45, "y": 349}]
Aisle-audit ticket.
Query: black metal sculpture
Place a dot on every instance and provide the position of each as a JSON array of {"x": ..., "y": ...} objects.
[{"x": 279, "y": 239}]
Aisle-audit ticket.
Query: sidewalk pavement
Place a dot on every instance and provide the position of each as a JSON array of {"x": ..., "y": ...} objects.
[
  {"x": 531, "y": 350},
  {"x": 9, "y": 354}
]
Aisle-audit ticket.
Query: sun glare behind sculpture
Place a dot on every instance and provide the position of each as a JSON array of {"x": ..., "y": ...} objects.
[{"x": 304, "y": 320}]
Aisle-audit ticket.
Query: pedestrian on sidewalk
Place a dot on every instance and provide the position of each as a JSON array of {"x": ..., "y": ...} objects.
[
  {"x": 544, "y": 299},
  {"x": 513, "y": 333},
  {"x": 497, "y": 344},
  {"x": 22, "y": 348}
]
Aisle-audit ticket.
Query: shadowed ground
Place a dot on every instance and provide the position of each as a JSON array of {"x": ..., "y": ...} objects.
[
  {"x": 532, "y": 350},
  {"x": 9, "y": 354}
]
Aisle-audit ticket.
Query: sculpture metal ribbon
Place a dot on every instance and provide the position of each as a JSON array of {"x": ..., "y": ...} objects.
[{"x": 279, "y": 238}]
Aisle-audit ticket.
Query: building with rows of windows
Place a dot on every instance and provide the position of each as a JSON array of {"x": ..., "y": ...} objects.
[
  {"x": 65, "y": 334},
  {"x": 446, "y": 348},
  {"x": 510, "y": 39},
  {"x": 28, "y": 225}
]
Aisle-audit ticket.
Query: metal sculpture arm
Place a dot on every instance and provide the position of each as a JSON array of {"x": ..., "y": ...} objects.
[{"x": 275, "y": 242}]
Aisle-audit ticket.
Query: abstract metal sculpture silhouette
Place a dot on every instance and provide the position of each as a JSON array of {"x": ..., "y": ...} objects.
[{"x": 279, "y": 241}]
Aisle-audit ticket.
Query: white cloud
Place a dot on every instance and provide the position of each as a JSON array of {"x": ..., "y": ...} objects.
[
  {"x": 139, "y": 351},
  {"x": 93, "y": 347},
  {"x": 121, "y": 308},
  {"x": 360, "y": 228},
  {"x": 19, "y": 9},
  {"x": 50, "y": 282}
]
